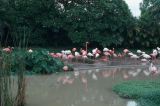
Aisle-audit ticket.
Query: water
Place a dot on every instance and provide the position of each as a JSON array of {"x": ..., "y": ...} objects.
[{"x": 84, "y": 87}]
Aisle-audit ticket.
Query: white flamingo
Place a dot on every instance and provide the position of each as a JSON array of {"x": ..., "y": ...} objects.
[
  {"x": 139, "y": 51},
  {"x": 134, "y": 56},
  {"x": 97, "y": 55},
  {"x": 90, "y": 55},
  {"x": 105, "y": 49},
  {"x": 94, "y": 51},
  {"x": 146, "y": 56}
]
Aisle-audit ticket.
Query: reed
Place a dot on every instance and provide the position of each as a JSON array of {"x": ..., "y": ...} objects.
[
  {"x": 6, "y": 98},
  {"x": 7, "y": 61},
  {"x": 20, "y": 98}
]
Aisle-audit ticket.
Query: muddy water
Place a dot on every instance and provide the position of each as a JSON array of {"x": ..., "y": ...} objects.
[{"x": 82, "y": 87}]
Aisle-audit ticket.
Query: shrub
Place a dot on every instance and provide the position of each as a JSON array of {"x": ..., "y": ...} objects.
[{"x": 38, "y": 62}]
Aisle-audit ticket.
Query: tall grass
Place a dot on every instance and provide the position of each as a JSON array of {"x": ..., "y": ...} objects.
[
  {"x": 6, "y": 98},
  {"x": 20, "y": 98},
  {"x": 6, "y": 63}
]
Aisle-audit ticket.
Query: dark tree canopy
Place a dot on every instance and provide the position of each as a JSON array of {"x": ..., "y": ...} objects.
[
  {"x": 68, "y": 22},
  {"x": 150, "y": 22},
  {"x": 106, "y": 22}
]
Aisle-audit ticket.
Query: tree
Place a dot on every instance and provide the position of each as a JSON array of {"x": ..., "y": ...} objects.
[
  {"x": 106, "y": 22},
  {"x": 47, "y": 22},
  {"x": 32, "y": 20},
  {"x": 150, "y": 22}
]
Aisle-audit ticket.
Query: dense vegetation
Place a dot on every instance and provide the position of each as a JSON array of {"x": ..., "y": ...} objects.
[
  {"x": 147, "y": 92},
  {"x": 37, "y": 62},
  {"x": 102, "y": 23},
  {"x": 149, "y": 23},
  {"x": 49, "y": 22}
]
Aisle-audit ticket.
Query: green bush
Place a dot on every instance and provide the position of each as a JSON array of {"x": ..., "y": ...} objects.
[
  {"x": 41, "y": 62},
  {"x": 48, "y": 22},
  {"x": 38, "y": 61}
]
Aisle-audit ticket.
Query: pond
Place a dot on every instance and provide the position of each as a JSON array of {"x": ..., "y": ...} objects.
[{"x": 88, "y": 85}]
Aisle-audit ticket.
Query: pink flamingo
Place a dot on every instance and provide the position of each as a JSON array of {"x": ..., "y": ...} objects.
[
  {"x": 65, "y": 68},
  {"x": 84, "y": 53},
  {"x": 104, "y": 59},
  {"x": 74, "y": 49},
  {"x": 59, "y": 55},
  {"x": 125, "y": 51},
  {"x": 154, "y": 54},
  {"x": 8, "y": 49},
  {"x": 107, "y": 54},
  {"x": 70, "y": 57},
  {"x": 64, "y": 57}
]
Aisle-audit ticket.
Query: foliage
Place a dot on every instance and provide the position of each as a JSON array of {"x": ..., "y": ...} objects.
[
  {"x": 149, "y": 23},
  {"x": 39, "y": 62},
  {"x": 103, "y": 22},
  {"x": 50, "y": 22}
]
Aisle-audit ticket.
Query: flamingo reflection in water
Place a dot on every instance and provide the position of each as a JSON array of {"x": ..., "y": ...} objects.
[
  {"x": 125, "y": 75},
  {"x": 106, "y": 73},
  {"x": 65, "y": 80},
  {"x": 134, "y": 73},
  {"x": 84, "y": 82},
  {"x": 114, "y": 71}
]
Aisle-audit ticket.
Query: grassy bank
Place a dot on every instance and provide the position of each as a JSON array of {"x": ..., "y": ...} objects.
[{"x": 146, "y": 92}]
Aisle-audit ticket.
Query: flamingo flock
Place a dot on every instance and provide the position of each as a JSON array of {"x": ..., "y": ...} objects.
[
  {"x": 104, "y": 55},
  {"x": 107, "y": 54}
]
